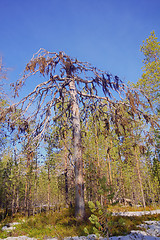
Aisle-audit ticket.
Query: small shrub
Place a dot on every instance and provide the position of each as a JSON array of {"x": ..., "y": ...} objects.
[{"x": 98, "y": 219}]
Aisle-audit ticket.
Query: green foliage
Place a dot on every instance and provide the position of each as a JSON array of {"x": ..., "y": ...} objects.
[
  {"x": 98, "y": 219},
  {"x": 119, "y": 226},
  {"x": 104, "y": 189},
  {"x": 150, "y": 80},
  {"x": 109, "y": 136},
  {"x": 63, "y": 224},
  {"x": 51, "y": 224},
  {"x": 92, "y": 206}
]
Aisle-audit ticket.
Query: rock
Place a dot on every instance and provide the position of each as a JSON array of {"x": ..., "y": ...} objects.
[
  {"x": 152, "y": 228},
  {"x": 8, "y": 229},
  {"x": 151, "y": 232},
  {"x": 51, "y": 238},
  {"x": 20, "y": 238},
  {"x": 10, "y": 226},
  {"x": 139, "y": 213},
  {"x": 91, "y": 237}
]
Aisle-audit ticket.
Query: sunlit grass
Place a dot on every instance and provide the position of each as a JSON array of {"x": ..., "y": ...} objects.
[
  {"x": 122, "y": 208},
  {"x": 52, "y": 224},
  {"x": 119, "y": 225}
]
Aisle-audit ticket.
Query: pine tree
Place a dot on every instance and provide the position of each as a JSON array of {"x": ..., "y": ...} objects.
[{"x": 81, "y": 83}]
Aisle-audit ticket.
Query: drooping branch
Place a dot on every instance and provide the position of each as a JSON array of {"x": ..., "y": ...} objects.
[
  {"x": 94, "y": 87},
  {"x": 74, "y": 89}
]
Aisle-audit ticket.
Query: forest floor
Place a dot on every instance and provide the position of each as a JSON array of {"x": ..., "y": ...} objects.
[{"x": 148, "y": 228}]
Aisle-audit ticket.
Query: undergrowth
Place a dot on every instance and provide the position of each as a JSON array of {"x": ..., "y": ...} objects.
[
  {"x": 123, "y": 208},
  {"x": 63, "y": 224}
]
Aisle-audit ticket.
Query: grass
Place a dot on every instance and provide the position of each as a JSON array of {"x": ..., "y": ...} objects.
[
  {"x": 122, "y": 208},
  {"x": 63, "y": 224},
  {"x": 119, "y": 225},
  {"x": 55, "y": 224}
]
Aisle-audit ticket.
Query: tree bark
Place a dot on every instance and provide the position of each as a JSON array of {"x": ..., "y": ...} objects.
[
  {"x": 98, "y": 165},
  {"x": 28, "y": 188},
  {"x": 79, "y": 182},
  {"x": 66, "y": 170},
  {"x": 109, "y": 170},
  {"x": 121, "y": 175},
  {"x": 49, "y": 181},
  {"x": 13, "y": 199},
  {"x": 139, "y": 177}
]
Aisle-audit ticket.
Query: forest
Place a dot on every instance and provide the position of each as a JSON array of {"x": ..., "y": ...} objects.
[{"x": 80, "y": 136}]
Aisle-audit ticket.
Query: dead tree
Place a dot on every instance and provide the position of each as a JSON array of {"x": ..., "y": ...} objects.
[{"x": 72, "y": 85}]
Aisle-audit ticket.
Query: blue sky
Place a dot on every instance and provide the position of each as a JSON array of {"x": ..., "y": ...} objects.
[{"x": 106, "y": 33}]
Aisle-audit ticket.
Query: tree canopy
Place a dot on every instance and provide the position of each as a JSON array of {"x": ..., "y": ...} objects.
[
  {"x": 149, "y": 83},
  {"x": 92, "y": 122}
]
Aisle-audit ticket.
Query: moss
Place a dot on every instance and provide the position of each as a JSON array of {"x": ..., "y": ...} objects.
[
  {"x": 123, "y": 225},
  {"x": 62, "y": 224}
]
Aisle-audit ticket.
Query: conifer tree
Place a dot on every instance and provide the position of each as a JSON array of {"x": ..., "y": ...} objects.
[
  {"x": 81, "y": 83},
  {"x": 149, "y": 83}
]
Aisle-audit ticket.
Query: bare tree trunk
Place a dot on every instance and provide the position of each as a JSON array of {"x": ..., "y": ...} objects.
[
  {"x": 28, "y": 188},
  {"x": 107, "y": 165},
  {"x": 17, "y": 197},
  {"x": 26, "y": 194},
  {"x": 121, "y": 176},
  {"x": 109, "y": 170},
  {"x": 66, "y": 171},
  {"x": 139, "y": 177},
  {"x": 17, "y": 200},
  {"x": 49, "y": 181},
  {"x": 29, "y": 199},
  {"x": 109, "y": 180},
  {"x": 109, "y": 162},
  {"x": 79, "y": 182},
  {"x": 98, "y": 164},
  {"x": 97, "y": 149},
  {"x": 35, "y": 187},
  {"x": 13, "y": 199}
]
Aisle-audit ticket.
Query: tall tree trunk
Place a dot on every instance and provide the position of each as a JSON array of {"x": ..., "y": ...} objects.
[
  {"x": 139, "y": 177},
  {"x": 17, "y": 190},
  {"x": 26, "y": 194},
  {"x": 98, "y": 164},
  {"x": 109, "y": 169},
  {"x": 28, "y": 188},
  {"x": 79, "y": 182},
  {"x": 66, "y": 170},
  {"x": 13, "y": 199},
  {"x": 17, "y": 200},
  {"x": 49, "y": 182},
  {"x": 97, "y": 148},
  {"x": 121, "y": 175},
  {"x": 35, "y": 186}
]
